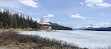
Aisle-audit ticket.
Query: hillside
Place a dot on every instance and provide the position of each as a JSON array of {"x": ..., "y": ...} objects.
[{"x": 11, "y": 19}]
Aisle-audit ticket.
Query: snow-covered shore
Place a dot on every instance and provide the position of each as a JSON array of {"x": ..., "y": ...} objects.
[{"x": 89, "y": 39}]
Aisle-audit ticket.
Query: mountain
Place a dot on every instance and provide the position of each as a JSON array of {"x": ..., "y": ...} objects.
[
  {"x": 44, "y": 20},
  {"x": 95, "y": 28},
  {"x": 55, "y": 26}
]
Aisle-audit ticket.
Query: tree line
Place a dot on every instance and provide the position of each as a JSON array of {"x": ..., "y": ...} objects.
[
  {"x": 8, "y": 19},
  {"x": 16, "y": 20}
]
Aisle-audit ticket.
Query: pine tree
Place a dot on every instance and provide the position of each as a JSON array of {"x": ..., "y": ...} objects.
[
  {"x": 1, "y": 23},
  {"x": 16, "y": 20}
]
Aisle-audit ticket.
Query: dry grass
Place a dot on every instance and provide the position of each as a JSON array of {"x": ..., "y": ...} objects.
[{"x": 13, "y": 39}]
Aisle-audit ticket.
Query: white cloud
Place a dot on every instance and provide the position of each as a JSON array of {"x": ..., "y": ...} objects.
[
  {"x": 31, "y": 3},
  {"x": 77, "y": 16},
  {"x": 81, "y": 3},
  {"x": 49, "y": 15},
  {"x": 9, "y": 3},
  {"x": 104, "y": 5},
  {"x": 93, "y": 3},
  {"x": 1, "y": 10}
]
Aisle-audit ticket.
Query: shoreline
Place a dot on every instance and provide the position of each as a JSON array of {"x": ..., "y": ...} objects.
[{"x": 13, "y": 39}]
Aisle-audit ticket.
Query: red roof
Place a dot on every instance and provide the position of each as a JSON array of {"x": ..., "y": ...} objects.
[{"x": 44, "y": 27}]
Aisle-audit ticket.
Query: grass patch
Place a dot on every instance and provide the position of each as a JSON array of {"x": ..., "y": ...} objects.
[{"x": 13, "y": 39}]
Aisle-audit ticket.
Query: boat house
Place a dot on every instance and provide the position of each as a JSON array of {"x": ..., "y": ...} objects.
[{"x": 45, "y": 28}]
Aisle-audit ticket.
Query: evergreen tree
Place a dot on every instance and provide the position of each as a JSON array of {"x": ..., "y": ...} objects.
[{"x": 16, "y": 20}]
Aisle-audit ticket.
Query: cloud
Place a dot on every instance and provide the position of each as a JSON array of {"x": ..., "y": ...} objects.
[
  {"x": 104, "y": 5},
  {"x": 9, "y": 4},
  {"x": 77, "y": 16},
  {"x": 49, "y": 15},
  {"x": 30, "y": 3},
  {"x": 100, "y": 3},
  {"x": 81, "y": 3},
  {"x": 18, "y": 3}
]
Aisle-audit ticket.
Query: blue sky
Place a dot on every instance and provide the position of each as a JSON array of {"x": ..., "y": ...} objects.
[{"x": 72, "y": 13}]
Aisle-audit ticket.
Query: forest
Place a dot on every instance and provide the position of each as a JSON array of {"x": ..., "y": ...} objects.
[{"x": 16, "y": 20}]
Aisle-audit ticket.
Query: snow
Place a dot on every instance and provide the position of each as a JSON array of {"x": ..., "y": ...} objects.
[
  {"x": 44, "y": 20},
  {"x": 89, "y": 39}
]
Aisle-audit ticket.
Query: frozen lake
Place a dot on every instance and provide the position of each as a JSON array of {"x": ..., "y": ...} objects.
[{"x": 90, "y": 39}]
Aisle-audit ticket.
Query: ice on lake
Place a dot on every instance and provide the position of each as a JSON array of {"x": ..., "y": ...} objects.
[{"x": 90, "y": 39}]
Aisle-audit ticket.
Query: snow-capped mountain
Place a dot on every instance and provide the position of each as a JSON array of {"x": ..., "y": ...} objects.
[
  {"x": 91, "y": 26},
  {"x": 44, "y": 20},
  {"x": 88, "y": 27}
]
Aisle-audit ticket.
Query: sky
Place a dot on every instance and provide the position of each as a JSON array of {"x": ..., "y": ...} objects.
[{"x": 71, "y": 13}]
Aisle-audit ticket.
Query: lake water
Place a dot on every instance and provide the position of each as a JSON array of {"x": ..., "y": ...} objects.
[{"x": 90, "y": 39}]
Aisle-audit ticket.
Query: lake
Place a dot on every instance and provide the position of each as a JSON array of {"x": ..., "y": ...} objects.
[{"x": 89, "y": 39}]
